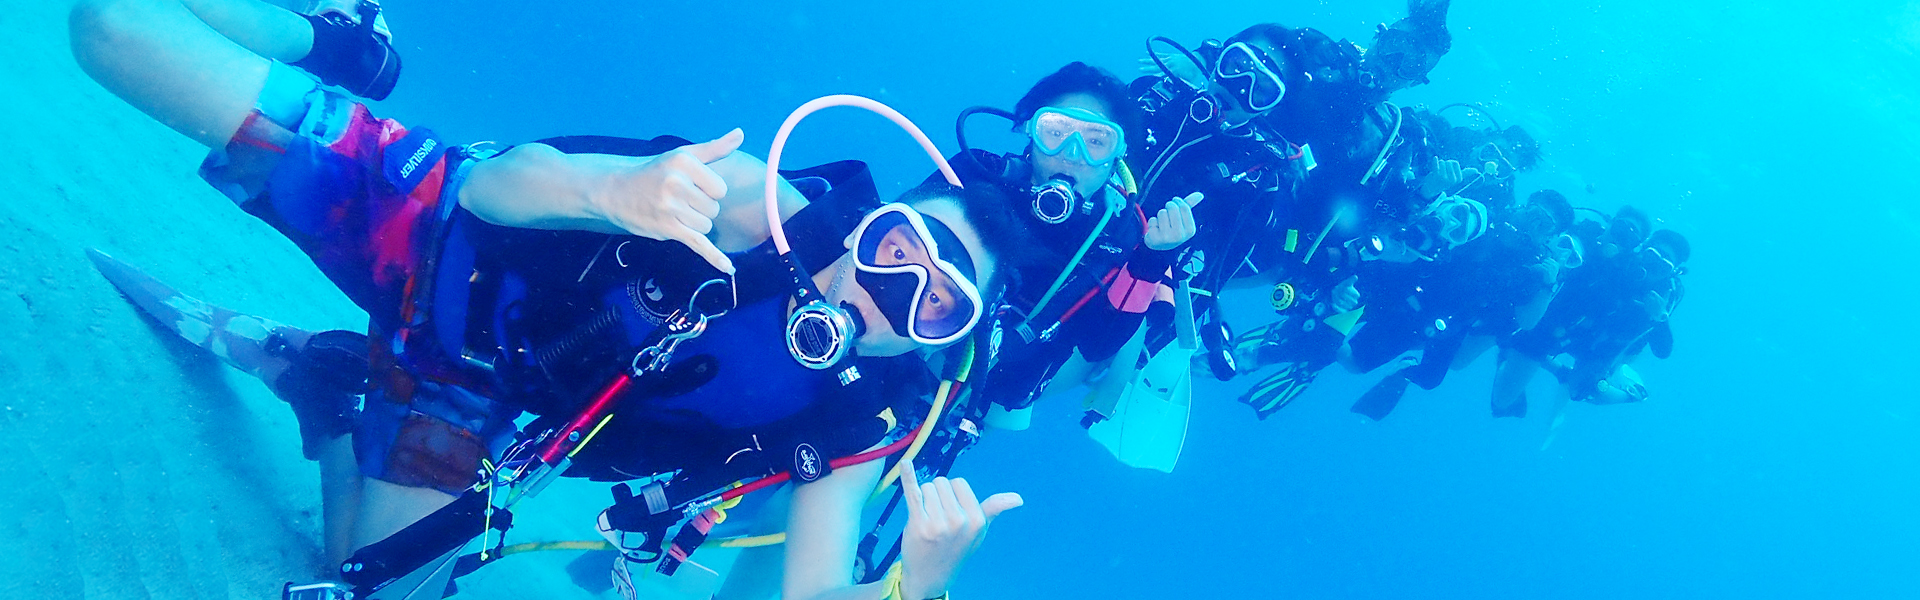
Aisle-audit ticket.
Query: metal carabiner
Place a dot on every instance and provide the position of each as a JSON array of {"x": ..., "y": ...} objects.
[{"x": 680, "y": 328}]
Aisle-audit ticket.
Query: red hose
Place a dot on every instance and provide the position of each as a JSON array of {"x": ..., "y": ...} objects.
[
  {"x": 587, "y": 418},
  {"x": 838, "y": 463}
]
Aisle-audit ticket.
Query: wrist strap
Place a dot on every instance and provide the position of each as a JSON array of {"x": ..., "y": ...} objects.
[{"x": 892, "y": 583}]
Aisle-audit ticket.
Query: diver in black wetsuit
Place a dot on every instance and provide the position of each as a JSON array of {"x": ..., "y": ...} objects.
[
  {"x": 1610, "y": 310},
  {"x": 1206, "y": 136},
  {"x": 1100, "y": 256},
  {"x": 1480, "y": 296}
]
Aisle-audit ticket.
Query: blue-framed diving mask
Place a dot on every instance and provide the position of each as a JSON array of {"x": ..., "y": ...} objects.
[{"x": 1078, "y": 133}]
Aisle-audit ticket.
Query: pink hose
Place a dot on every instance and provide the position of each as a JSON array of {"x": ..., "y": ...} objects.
[{"x": 780, "y": 141}]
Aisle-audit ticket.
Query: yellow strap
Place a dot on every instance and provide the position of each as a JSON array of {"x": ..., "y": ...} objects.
[
  {"x": 926, "y": 427},
  {"x": 892, "y": 582},
  {"x": 752, "y": 541}
]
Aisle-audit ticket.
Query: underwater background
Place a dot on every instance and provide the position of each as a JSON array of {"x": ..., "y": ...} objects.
[{"x": 1778, "y": 457}]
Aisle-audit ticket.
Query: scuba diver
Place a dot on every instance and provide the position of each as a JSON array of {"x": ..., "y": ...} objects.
[
  {"x": 1496, "y": 153},
  {"x": 1204, "y": 134},
  {"x": 1491, "y": 288},
  {"x": 1611, "y": 308},
  {"x": 520, "y": 282},
  {"x": 1101, "y": 256},
  {"x": 1347, "y": 80}
]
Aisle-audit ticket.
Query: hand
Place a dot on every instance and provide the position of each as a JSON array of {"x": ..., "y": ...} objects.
[
  {"x": 1444, "y": 175},
  {"x": 1655, "y": 304},
  {"x": 673, "y": 196},
  {"x": 944, "y": 526},
  {"x": 1545, "y": 272},
  {"x": 1174, "y": 224},
  {"x": 1346, "y": 296}
]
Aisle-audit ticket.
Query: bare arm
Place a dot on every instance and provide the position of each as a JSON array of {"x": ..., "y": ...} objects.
[
  {"x": 945, "y": 523},
  {"x": 706, "y": 195},
  {"x": 823, "y": 533}
]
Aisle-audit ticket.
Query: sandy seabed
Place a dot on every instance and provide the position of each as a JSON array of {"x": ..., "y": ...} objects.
[{"x": 133, "y": 465}]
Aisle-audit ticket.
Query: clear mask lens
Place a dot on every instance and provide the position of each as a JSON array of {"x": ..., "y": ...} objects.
[
  {"x": 1097, "y": 140},
  {"x": 909, "y": 265}
]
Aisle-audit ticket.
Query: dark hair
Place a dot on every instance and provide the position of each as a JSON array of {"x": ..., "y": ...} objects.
[
  {"x": 1672, "y": 240},
  {"x": 1081, "y": 78},
  {"x": 1635, "y": 215},
  {"x": 989, "y": 210},
  {"x": 1556, "y": 204},
  {"x": 1427, "y": 21},
  {"x": 1523, "y": 151}
]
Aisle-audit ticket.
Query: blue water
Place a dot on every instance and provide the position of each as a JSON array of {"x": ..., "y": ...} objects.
[{"x": 1778, "y": 457}]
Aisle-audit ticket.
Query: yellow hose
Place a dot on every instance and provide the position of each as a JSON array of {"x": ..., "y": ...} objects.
[
  {"x": 926, "y": 427},
  {"x": 744, "y": 541}
]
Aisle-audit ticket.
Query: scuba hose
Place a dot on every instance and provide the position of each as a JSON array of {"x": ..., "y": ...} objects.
[
  {"x": 1474, "y": 107},
  {"x": 948, "y": 389},
  {"x": 911, "y": 444},
  {"x": 1066, "y": 270}
]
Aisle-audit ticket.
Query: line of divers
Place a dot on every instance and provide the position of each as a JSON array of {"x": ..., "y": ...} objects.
[{"x": 677, "y": 318}]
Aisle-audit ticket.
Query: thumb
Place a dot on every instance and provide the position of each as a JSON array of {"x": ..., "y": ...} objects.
[
  {"x": 717, "y": 148},
  {"x": 1351, "y": 280},
  {"x": 1194, "y": 199},
  {"x": 999, "y": 503}
]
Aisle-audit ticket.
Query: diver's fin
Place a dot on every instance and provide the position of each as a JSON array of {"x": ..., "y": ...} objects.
[
  {"x": 188, "y": 317},
  {"x": 320, "y": 375},
  {"x": 1518, "y": 409},
  {"x": 1378, "y": 402},
  {"x": 1280, "y": 389},
  {"x": 1148, "y": 425},
  {"x": 245, "y": 342}
]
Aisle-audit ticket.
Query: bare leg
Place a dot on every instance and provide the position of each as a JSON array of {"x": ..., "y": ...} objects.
[
  {"x": 268, "y": 30},
  {"x": 1470, "y": 350},
  {"x": 340, "y": 483},
  {"x": 386, "y": 508},
  {"x": 1510, "y": 379},
  {"x": 165, "y": 61},
  {"x": 756, "y": 573}
]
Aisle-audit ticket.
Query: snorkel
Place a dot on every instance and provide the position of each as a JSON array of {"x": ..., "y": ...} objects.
[{"x": 820, "y": 335}]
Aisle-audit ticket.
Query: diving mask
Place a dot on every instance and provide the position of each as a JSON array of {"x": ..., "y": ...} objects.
[
  {"x": 1655, "y": 266},
  {"x": 919, "y": 274},
  {"x": 1567, "y": 251},
  {"x": 1461, "y": 220},
  {"x": 1251, "y": 76},
  {"x": 1398, "y": 53},
  {"x": 1098, "y": 141}
]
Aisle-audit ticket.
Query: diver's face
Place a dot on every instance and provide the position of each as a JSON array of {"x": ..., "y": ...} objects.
[
  {"x": 1536, "y": 222},
  {"x": 1087, "y": 179},
  {"x": 900, "y": 246},
  {"x": 1623, "y": 234}
]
